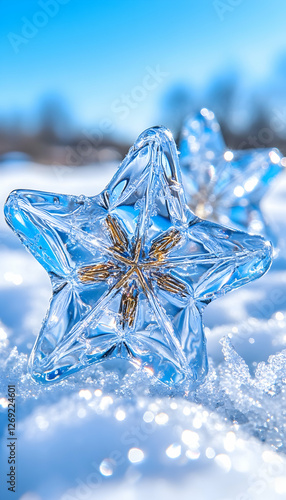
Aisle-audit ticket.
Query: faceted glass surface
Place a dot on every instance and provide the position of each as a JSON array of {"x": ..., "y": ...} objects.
[
  {"x": 221, "y": 185},
  {"x": 131, "y": 268}
]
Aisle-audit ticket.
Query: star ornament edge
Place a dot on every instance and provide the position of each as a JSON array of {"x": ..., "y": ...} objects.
[{"x": 181, "y": 264}]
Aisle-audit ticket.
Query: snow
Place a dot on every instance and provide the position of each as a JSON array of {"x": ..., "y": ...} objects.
[{"x": 113, "y": 432}]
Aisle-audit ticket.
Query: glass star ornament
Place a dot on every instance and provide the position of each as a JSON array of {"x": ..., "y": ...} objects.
[
  {"x": 222, "y": 185},
  {"x": 131, "y": 268}
]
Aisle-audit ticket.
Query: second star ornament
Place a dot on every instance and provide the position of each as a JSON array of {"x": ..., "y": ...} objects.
[
  {"x": 131, "y": 269},
  {"x": 222, "y": 185}
]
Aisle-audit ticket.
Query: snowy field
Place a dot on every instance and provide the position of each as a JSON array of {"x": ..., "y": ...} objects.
[{"x": 111, "y": 432}]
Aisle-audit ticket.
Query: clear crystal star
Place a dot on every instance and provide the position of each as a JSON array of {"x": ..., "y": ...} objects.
[
  {"x": 222, "y": 185},
  {"x": 132, "y": 268}
]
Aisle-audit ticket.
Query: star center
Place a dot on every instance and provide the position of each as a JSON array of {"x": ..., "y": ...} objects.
[{"x": 130, "y": 278}]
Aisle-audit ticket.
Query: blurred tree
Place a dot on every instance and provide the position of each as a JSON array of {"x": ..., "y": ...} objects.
[
  {"x": 178, "y": 102},
  {"x": 54, "y": 119},
  {"x": 221, "y": 95}
]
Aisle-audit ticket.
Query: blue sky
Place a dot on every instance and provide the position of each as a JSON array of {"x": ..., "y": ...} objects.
[{"x": 94, "y": 53}]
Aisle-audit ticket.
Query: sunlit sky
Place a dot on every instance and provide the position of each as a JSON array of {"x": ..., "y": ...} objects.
[{"x": 94, "y": 52}]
